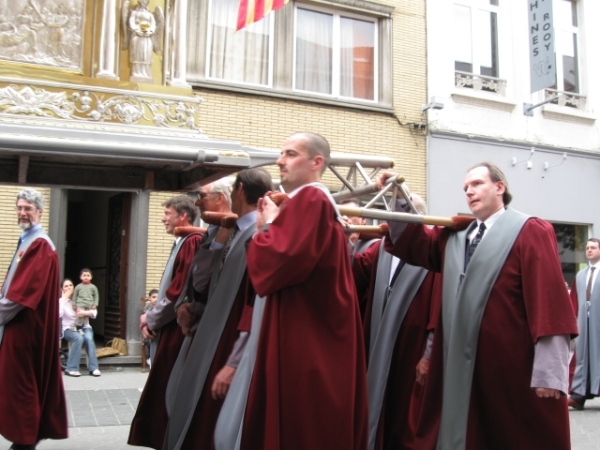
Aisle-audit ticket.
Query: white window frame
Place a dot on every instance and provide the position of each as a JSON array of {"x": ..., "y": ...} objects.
[
  {"x": 336, "y": 52},
  {"x": 270, "y": 69},
  {"x": 282, "y": 64},
  {"x": 570, "y": 28},
  {"x": 483, "y": 5}
]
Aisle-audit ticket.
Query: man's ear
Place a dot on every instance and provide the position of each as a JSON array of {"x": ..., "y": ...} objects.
[
  {"x": 500, "y": 187},
  {"x": 318, "y": 162}
]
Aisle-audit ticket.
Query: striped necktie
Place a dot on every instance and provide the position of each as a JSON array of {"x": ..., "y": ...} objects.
[{"x": 474, "y": 243}]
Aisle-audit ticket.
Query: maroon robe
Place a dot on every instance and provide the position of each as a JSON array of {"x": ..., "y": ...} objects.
[
  {"x": 402, "y": 402},
  {"x": 149, "y": 425},
  {"x": 201, "y": 430},
  {"x": 308, "y": 388},
  {"x": 528, "y": 301},
  {"x": 32, "y": 399}
]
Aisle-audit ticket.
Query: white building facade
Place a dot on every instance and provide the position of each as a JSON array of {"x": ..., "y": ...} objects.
[{"x": 479, "y": 70}]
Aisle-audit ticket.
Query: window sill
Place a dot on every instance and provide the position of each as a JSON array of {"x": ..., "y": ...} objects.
[
  {"x": 291, "y": 95},
  {"x": 567, "y": 114},
  {"x": 483, "y": 99}
]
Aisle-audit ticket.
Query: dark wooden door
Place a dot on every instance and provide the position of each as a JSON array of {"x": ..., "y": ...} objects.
[{"x": 119, "y": 209}]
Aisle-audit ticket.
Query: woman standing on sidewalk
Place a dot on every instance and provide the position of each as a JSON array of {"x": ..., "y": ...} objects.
[{"x": 77, "y": 338}]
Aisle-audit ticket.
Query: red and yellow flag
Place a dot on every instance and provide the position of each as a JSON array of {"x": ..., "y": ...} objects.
[{"x": 251, "y": 11}]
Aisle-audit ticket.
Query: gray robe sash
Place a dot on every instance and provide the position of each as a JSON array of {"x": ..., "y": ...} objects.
[
  {"x": 465, "y": 297},
  {"x": 164, "y": 304},
  {"x": 38, "y": 233},
  {"x": 587, "y": 345},
  {"x": 386, "y": 321},
  {"x": 228, "y": 432},
  {"x": 189, "y": 373}
]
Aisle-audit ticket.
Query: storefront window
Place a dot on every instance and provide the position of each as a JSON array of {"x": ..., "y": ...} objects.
[{"x": 571, "y": 248}]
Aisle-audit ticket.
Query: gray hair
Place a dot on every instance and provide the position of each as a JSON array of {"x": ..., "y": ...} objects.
[
  {"x": 223, "y": 186},
  {"x": 32, "y": 196},
  {"x": 420, "y": 204}
]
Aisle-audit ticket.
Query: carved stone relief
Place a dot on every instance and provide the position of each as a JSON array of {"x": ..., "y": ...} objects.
[
  {"x": 43, "y": 32},
  {"x": 98, "y": 107}
]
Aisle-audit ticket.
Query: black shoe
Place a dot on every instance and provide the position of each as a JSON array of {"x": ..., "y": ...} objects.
[
  {"x": 575, "y": 404},
  {"x": 22, "y": 447}
]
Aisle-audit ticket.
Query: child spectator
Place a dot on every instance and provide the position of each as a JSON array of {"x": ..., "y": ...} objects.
[
  {"x": 85, "y": 297},
  {"x": 151, "y": 300}
]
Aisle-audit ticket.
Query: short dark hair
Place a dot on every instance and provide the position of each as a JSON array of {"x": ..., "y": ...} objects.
[
  {"x": 85, "y": 269},
  {"x": 316, "y": 145},
  {"x": 496, "y": 175},
  {"x": 152, "y": 291},
  {"x": 596, "y": 240},
  {"x": 183, "y": 204},
  {"x": 257, "y": 182},
  {"x": 62, "y": 283}
]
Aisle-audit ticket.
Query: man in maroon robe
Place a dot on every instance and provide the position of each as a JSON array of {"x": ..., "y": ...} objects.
[
  {"x": 308, "y": 388},
  {"x": 32, "y": 400},
  {"x": 393, "y": 386},
  {"x": 149, "y": 424},
  {"x": 499, "y": 371}
]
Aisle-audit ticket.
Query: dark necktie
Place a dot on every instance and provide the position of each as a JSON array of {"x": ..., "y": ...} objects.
[
  {"x": 388, "y": 290},
  {"x": 474, "y": 243},
  {"x": 228, "y": 246},
  {"x": 588, "y": 291}
]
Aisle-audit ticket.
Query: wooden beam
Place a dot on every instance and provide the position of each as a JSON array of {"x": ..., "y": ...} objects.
[{"x": 23, "y": 167}]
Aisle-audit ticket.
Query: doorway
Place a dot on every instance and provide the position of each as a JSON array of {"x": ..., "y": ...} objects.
[{"x": 97, "y": 224}]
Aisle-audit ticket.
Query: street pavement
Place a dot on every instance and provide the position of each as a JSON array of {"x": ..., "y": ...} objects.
[
  {"x": 585, "y": 429},
  {"x": 101, "y": 409}
]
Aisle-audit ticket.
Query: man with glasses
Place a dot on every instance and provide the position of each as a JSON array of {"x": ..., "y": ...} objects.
[{"x": 32, "y": 401}]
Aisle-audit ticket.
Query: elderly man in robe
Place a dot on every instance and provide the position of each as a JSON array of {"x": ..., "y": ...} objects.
[
  {"x": 32, "y": 399},
  {"x": 505, "y": 324},
  {"x": 204, "y": 372},
  {"x": 301, "y": 383}
]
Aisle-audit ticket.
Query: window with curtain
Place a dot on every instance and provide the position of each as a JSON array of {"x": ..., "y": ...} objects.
[
  {"x": 335, "y": 54},
  {"x": 566, "y": 34},
  {"x": 242, "y": 56},
  {"x": 323, "y": 51},
  {"x": 475, "y": 37}
]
